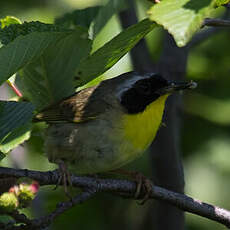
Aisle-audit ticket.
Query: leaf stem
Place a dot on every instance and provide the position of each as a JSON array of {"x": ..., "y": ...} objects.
[{"x": 14, "y": 88}]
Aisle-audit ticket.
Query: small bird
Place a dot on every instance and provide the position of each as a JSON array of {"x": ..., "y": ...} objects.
[{"x": 104, "y": 127}]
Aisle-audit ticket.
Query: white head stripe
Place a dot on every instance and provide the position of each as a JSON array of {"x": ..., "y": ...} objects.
[{"x": 127, "y": 84}]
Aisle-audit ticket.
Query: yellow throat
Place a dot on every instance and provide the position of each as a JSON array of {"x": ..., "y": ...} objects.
[{"x": 140, "y": 129}]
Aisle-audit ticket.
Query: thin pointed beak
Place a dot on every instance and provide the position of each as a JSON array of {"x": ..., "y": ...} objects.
[{"x": 176, "y": 86}]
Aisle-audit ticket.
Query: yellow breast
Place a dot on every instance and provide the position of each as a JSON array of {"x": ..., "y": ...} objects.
[{"x": 140, "y": 129}]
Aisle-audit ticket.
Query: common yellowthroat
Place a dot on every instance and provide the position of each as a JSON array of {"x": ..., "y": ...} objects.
[{"x": 104, "y": 127}]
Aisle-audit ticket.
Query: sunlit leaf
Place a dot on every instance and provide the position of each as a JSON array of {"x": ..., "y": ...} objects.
[
  {"x": 222, "y": 2},
  {"x": 182, "y": 18},
  {"x": 108, "y": 55},
  {"x": 8, "y": 20}
]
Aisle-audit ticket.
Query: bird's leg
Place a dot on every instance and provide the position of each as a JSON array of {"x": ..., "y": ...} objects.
[
  {"x": 65, "y": 177},
  {"x": 142, "y": 183},
  {"x": 146, "y": 184}
]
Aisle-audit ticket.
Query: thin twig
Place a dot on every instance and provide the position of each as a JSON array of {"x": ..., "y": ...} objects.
[
  {"x": 45, "y": 221},
  {"x": 126, "y": 187},
  {"x": 14, "y": 88},
  {"x": 62, "y": 207},
  {"x": 216, "y": 22},
  {"x": 207, "y": 33}
]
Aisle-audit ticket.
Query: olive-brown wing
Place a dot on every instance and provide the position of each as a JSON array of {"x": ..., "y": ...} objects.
[{"x": 83, "y": 106}]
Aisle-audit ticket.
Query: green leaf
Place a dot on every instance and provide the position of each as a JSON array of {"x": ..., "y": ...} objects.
[
  {"x": 222, "y": 2},
  {"x": 13, "y": 115},
  {"x": 16, "y": 137},
  {"x": 23, "y": 50},
  {"x": 99, "y": 14},
  {"x": 32, "y": 84},
  {"x": 50, "y": 78},
  {"x": 8, "y": 20},
  {"x": 5, "y": 218},
  {"x": 2, "y": 156},
  {"x": 9, "y": 33},
  {"x": 106, "y": 12},
  {"x": 108, "y": 55},
  {"x": 79, "y": 17},
  {"x": 182, "y": 18}
]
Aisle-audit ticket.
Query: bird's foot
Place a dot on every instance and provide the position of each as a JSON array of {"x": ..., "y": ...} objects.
[
  {"x": 65, "y": 177},
  {"x": 144, "y": 185}
]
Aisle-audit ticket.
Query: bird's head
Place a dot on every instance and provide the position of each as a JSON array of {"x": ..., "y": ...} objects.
[{"x": 138, "y": 91}]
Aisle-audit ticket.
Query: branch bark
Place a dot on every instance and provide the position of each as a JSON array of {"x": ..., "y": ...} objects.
[
  {"x": 24, "y": 223},
  {"x": 207, "y": 33},
  {"x": 216, "y": 22},
  {"x": 114, "y": 186}
]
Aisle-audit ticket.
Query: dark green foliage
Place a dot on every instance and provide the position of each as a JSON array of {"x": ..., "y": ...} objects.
[
  {"x": 13, "y": 115},
  {"x": 9, "y": 33},
  {"x": 78, "y": 17},
  {"x": 2, "y": 155}
]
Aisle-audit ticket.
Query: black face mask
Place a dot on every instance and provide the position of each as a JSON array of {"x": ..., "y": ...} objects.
[{"x": 142, "y": 93}]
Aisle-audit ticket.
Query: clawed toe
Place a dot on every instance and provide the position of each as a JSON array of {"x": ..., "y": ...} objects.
[
  {"x": 143, "y": 184},
  {"x": 65, "y": 178}
]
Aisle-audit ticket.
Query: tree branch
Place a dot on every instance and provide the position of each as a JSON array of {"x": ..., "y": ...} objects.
[
  {"x": 216, "y": 22},
  {"x": 128, "y": 188},
  {"x": 207, "y": 33},
  {"x": 45, "y": 221}
]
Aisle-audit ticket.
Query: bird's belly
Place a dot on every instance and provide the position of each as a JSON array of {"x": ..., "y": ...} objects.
[
  {"x": 90, "y": 149},
  {"x": 104, "y": 144}
]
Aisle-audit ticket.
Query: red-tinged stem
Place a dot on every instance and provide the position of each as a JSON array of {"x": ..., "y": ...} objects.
[{"x": 15, "y": 89}]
